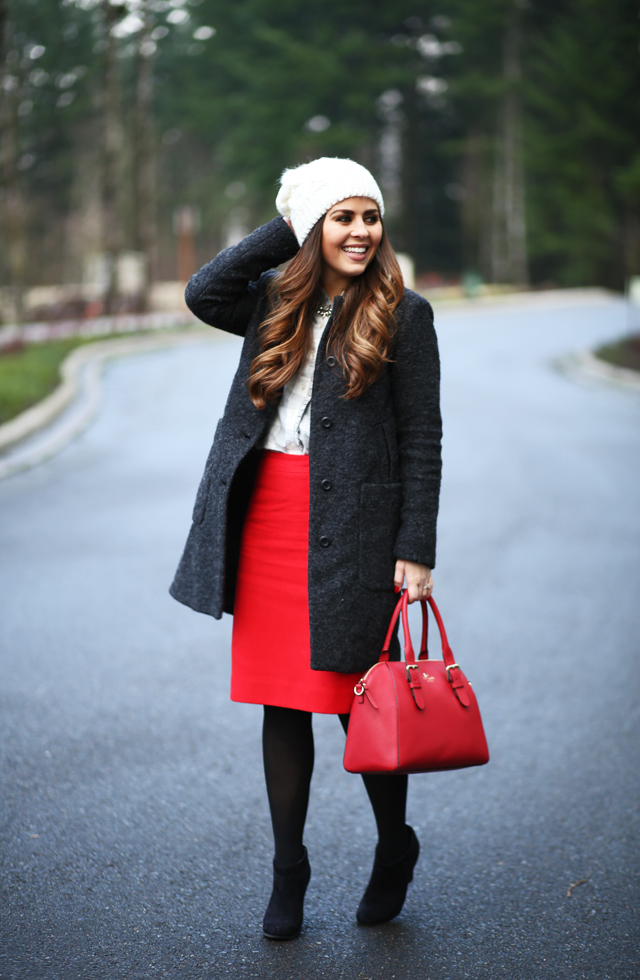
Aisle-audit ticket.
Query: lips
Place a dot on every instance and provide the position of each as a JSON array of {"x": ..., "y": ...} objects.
[{"x": 356, "y": 252}]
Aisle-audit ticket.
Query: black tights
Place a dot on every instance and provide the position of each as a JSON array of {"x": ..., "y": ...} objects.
[{"x": 287, "y": 745}]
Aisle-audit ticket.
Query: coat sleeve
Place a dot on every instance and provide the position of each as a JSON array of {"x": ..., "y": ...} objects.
[
  {"x": 415, "y": 374},
  {"x": 225, "y": 292}
]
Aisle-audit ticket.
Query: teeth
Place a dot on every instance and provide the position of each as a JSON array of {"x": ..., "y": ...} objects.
[{"x": 360, "y": 249}]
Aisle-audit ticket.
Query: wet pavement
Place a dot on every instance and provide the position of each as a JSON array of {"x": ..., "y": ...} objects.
[{"x": 134, "y": 829}]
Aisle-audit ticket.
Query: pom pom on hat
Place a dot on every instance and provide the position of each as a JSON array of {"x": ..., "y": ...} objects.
[{"x": 307, "y": 192}]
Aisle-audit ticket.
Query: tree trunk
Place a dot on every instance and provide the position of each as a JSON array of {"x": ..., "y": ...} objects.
[
  {"x": 111, "y": 157},
  {"x": 185, "y": 220},
  {"x": 631, "y": 241},
  {"x": 12, "y": 210},
  {"x": 516, "y": 232},
  {"x": 499, "y": 259},
  {"x": 390, "y": 153},
  {"x": 509, "y": 237},
  {"x": 472, "y": 206},
  {"x": 145, "y": 231}
]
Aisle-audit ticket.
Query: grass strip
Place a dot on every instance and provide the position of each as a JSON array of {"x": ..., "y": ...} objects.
[
  {"x": 624, "y": 353},
  {"x": 31, "y": 372}
]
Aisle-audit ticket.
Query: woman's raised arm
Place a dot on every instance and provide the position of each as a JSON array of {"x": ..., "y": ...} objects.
[{"x": 225, "y": 292}]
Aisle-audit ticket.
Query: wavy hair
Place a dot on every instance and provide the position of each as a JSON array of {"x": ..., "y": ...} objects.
[{"x": 361, "y": 333}]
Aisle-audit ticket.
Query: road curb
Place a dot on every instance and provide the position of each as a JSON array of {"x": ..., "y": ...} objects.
[
  {"x": 545, "y": 299},
  {"x": 43, "y": 430},
  {"x": 585, "y": 366}
]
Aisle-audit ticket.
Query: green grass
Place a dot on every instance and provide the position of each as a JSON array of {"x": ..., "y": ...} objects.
[
  {"x": 29, "y": 375},
  {"x": 625, "y": 353}
]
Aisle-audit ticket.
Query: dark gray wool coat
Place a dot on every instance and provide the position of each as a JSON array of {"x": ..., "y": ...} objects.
[{"x": 374, "y": 464}]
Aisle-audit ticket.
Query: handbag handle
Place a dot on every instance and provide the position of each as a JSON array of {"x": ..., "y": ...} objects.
[
  {"x": 409, "y": 655},
  {"x": 423, "y": 644}
]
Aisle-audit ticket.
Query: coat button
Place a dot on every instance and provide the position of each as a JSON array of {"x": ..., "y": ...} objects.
[
  {"x": 326, "y": 484},
  {"x": 324, "y": 541},
  {"x": 331, "y": 361},
  {"x": 326, "y": 423}
]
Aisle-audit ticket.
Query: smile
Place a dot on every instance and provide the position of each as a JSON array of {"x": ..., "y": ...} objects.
[{"x": 356, "y": 251}]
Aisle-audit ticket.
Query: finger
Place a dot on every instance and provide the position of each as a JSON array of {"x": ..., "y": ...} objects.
[
  {"x": 414, "y": 591},
  {"x": 398, "y": 576}
]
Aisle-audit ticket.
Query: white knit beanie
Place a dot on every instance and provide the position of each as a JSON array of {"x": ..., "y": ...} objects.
[{"x": 308, "y": 191}]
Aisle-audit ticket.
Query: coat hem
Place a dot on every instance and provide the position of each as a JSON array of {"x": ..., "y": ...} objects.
[{"x": 194, "y": 604}]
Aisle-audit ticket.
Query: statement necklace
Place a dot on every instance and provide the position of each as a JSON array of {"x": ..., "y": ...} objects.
[{"x": 325, "y": 310}]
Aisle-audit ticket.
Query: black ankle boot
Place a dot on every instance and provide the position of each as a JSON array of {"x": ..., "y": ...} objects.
[
  {"x": 387, "y": 888},
  {"x": 283, "y": 918}
]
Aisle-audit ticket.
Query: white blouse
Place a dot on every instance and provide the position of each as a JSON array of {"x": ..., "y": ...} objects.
[{"x": 290, "y": 426}]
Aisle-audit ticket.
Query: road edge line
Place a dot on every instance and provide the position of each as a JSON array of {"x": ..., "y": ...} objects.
[
  {"x": 79, "y": 392},
  {"x": 585, "y": 366}
]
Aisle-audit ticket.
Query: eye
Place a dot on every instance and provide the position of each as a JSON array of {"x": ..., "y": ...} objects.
[{"x": 371, "y": 219}]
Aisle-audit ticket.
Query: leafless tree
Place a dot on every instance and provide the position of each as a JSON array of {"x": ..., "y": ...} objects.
[
  {"x": 508, "y": 227},
  {"x": 11, "y": 202},
  {"x": 144, "y": 157},
  {"x": 111, "y": 155}
]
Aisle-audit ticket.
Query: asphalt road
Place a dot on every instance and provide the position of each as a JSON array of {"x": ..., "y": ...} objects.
[{"x": 135, "y": 835}]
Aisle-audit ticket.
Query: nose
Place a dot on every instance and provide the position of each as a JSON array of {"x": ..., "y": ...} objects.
[{"x": 358, "y": 227}]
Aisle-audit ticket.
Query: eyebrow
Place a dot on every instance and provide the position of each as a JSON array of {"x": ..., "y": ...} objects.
[{"x": 349, "y": 211}]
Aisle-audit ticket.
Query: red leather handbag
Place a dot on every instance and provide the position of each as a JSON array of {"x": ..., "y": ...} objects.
[{"x": 414, "y": 715}]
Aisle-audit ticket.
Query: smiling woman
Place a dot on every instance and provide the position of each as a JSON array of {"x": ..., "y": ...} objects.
[
  {"x": 351, "y": 234},
  {"x": 320, "y": 494},
  {"x": 347, "y": 247}
]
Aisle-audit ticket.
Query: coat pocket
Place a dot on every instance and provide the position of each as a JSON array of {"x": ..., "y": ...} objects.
[
  {"x": 380, "y": 505},
  {"x": 200, "y": 506}
]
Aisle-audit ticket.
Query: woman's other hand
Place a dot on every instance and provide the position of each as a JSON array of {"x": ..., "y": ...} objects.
[{"x": 419, "y": 579}]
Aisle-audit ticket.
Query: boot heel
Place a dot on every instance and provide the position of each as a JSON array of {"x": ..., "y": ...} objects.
[{"x": 387, "y": 888}]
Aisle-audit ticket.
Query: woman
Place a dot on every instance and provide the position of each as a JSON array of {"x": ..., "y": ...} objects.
[{"x": 320, "y": 494}]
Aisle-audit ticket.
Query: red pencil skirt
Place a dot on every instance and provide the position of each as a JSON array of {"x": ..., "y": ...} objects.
[{"x": 270, "y": 646}]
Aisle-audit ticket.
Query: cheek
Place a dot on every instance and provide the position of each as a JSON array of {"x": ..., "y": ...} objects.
[
  {"x": 330, "y": 240},
  {"x": 326, "y": 242},
  {"x": 376, "y": 237},
  {"x": 331, "y": 248}
]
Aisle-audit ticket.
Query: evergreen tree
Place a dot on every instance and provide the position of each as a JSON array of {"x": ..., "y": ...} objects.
[
  {"x": 583, "y": 144},
  {"x": 504, "y": 132}
]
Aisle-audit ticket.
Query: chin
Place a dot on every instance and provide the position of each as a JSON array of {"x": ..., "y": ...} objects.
[{"x": 354, "y": 270}]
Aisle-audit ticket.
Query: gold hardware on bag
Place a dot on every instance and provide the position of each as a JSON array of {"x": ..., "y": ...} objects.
[
  {"x": 428, "y": 678},
  {"x": 448, "y": 668},
  {"x": 360, "y": 694}
]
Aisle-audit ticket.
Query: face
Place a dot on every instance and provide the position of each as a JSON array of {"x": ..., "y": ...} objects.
[{"x": 351, "y": 234}]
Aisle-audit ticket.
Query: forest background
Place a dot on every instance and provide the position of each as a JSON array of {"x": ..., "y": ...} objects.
[{"x": 505, "y": 133}]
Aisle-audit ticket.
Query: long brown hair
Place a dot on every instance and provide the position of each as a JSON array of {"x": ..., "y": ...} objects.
[{"x": 361, "y": 332}]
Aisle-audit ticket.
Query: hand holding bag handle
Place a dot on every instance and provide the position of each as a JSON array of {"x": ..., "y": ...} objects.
[
  {"x": 384, "y": 656},
  {"x": 454, "y": 674},
  {"x": 416, "y": 716}
]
